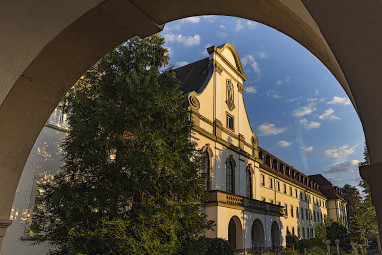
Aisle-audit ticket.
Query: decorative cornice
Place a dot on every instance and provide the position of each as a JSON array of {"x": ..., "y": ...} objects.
[
  {"x": 193, "y": 101},
  {"x": 218, "y": 68}
]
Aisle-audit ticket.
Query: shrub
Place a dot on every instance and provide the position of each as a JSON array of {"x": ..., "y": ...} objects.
[{"x": 207, "y": 246}]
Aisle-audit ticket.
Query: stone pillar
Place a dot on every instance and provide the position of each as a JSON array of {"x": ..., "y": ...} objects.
[
  {"x": 3, "y": 227},
  {"x": 372, "y": 174}
]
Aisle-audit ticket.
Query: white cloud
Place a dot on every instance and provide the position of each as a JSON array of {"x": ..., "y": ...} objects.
[
  {"x": 222, "y": 27},
  {"x": 292, "y": 99},
  {"x": 187, "y": 41},
  {"x": 204, "y": 52},
  {"x": 338, "y": 152},
  {"x": 339, "y": 100},
  {"x": 250, "y": 60},
  {"x": 307, "y": 149},
  {"x": 250, "y": 89},
  {"x": 286, "y": 80},
  {"x": 328, "y": 114},
  {"x": 181, "y": 63},
  {"x": 342, "y": 167},
  {"x": 270, "y": 129},
  {"x": 311, "y": 99},
  {"x": 309, "y": 124},
  {"x": 304, "y": 110},
  {"x": 193, "y": 20},
  {"x": 335, "y": 181},
  {"x": 273, "y": 93},
  {"x": 316, "y": 92},
  {"x": 239, "y": 26},
  {"x": 283, "y": 143},
  {"x": 251, "y": 24},
  {"x": 261, "y": 54},
  {"x": 222, "y": 35},
  {"x": 210, "y": 18}
]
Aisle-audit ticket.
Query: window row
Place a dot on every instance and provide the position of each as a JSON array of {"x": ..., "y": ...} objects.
[
  {"x": 287, "y": 170},
  {"x": 302, "y": 232},
  {"x": 303, "y": 195}
]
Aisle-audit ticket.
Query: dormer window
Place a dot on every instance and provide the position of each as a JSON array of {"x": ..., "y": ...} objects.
[{"x": 229, "y": 121}]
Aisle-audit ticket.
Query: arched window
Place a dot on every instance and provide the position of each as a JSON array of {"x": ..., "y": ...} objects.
[
  {"x": 230, "y": 177},
  {"x": 207, "y": 170},
  {"x": 249, "y": 182}
]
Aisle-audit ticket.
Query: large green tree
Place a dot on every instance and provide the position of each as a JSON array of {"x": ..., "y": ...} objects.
[
  {"x": 131, "y": 182},
  {"x": 367, "y": 210},
  {"x": 353, "y": 199}
]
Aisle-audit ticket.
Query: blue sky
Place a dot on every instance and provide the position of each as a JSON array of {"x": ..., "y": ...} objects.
[{"x": 297, "y": 108}]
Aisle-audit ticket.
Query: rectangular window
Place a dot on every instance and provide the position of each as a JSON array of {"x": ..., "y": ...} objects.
[
  {"x": 298, "y": 232},
  {"x": 229, "y": 121},
  {"x": 306, "y": 215},
  {"x": 292, "y": 230},
  {"x": 297, "y": 213},
  {"x": 270, "y": 183},
  {"x": 291, "y": 211},
  {"x": 295, "y": 191},
  {"x": 278, "y": 186},
  {"x": 286, "y": 209},
  {"x": 290, "y": 191},
  {"x": 303, "y": 233},
  {"x": 262, "y": 180},
  {"x": 284, "y": 186},
  {"x": 302, "y": 213},
  {"x": 314, "y": 216}
]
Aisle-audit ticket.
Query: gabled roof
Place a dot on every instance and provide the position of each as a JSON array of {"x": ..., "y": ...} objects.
[
  {"x": 192, "y": 76},
  {"x": 326, "y": 187},
  {"x": 320, "y": 180}
]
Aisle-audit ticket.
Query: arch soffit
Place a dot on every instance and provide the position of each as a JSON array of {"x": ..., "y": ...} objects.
[
  {"x": 207, "y": 148},
  {"x": 259, "y": 221},
  {"x": 237, "y": 220}
]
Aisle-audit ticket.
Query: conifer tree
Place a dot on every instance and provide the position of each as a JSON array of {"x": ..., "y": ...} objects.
[
  {"x": 131, "y": 182},
  {"x": 353, "y": 199}
]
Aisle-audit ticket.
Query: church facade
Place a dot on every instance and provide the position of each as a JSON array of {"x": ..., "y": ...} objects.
[{"x": 254, "y": 197}]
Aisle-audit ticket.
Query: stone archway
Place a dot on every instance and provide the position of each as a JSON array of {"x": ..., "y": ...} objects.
[
  {"x": 257, "y": 235},
  {"x": 46, "y": 46},
  {"x": 235, "y": 233},
  {"x": 275, "y": 236}
]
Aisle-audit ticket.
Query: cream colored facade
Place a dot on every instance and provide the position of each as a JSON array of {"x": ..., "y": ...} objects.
[
  {"x": 43, "y": 162},
  {"x": 267, "y": 197}
]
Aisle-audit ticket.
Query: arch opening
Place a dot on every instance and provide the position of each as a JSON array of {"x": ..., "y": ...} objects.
[{"x": 257, "y": 236}]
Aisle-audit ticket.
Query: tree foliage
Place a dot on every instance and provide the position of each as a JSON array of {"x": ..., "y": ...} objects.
[
  {"x": 353, "y": 199},
  {"x": 367, "y": 210},
  {"x": 131, "y": 182}
]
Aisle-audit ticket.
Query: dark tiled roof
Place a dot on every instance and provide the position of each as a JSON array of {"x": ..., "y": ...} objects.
[
  {"x": 326, "y": 187},
  {"x": 192, "y": 76},
  {"x": 319, "y": 179}
]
